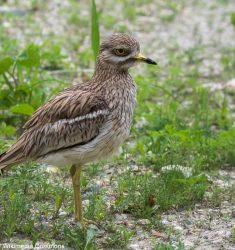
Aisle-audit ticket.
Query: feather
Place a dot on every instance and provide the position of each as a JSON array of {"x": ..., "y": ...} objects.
[{"x": 71, "y": 118}]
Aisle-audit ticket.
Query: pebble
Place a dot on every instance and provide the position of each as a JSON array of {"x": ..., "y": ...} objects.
[
  {"x": 62, "y": 213},
  {"x": 179, "y": 228},
  {"x": 230, "y": 85},
  {"x": 120, "y": 216},
  {"x": 85, "y": 203},
  {"x": 165, "y": 222},
  {"x": 133, "y": 246},
  {"x": 144, "y": 222}
]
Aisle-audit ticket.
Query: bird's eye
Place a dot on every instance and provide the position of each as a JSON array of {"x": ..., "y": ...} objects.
[{"x": 120, "y": 52}]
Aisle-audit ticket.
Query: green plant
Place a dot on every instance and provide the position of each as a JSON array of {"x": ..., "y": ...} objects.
[
  {"x": 15, "y": 211},
  {"x": 96, "y": 208},
  {"x": 145, "y": 195},
  {"x": 233, "y": 18},
  {"x": 22, "y": 89},
  {"x": 170, "y": 246},
  {"x": 118, "y": 237},
  {"x": 79, "y": 238},
  {"x": 233, "y": 235},
  {"x": 95, "y": 36}
]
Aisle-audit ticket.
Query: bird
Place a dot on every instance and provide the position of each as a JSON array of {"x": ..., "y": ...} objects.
[{"x": 86, "y": 121}]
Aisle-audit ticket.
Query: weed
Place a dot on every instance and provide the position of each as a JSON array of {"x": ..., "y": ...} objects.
[
  {"x": 145, "y": 195},
  {"x": 96, "y": 209},
  {"x": 15, "y": 210},
  {"x": 170, "y": 246},
  {"x": 233, "y": 235},
  {"x": 95, "y": 35},
  {"x": 21, "y": 85},
  {"x": 118, "y": 237},
  {"x": 79, "y": 238},
  {"x": 233, "y": 18}
]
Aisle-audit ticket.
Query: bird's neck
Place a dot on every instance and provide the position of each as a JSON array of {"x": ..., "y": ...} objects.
[{"x": 103, "y": 71}]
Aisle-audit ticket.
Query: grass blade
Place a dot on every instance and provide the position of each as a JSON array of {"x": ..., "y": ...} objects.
[{"x": 95, "y": 34}]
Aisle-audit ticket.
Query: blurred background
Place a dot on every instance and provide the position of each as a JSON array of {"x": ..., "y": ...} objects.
[{"x": 173, "y": 185}]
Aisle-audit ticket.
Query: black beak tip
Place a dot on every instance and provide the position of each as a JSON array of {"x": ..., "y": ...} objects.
[{"x": 150, "y": 61}]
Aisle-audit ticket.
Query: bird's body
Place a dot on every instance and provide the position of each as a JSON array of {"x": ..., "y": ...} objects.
[
  {"x": 113, "y": 119},
  {"x": 83, "y": 123},
  {"x": 87, "y": 121}
]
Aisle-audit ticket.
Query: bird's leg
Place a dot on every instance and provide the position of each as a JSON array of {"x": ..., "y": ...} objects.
[{"x": 75, "y": 172}]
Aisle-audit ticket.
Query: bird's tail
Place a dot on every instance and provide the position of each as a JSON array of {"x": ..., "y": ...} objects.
[{"x": 11, "y": 157}]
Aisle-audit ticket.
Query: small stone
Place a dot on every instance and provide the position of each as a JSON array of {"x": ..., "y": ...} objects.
[
  {"x": 135, "y": 168},
  {"x": 133, "y": 246},
  {"x": 230, "y": 85},
  {"x": 224, "y": 211},
  {"x": 144, "y": 222},
  {"x": 93, "y": 226},
  {"x": 62, "y": 213},
  {"x": 51, "y": 169},
  {"x": 179, "y": 228},
  {"x": 120, "y": 217},
  {"x": 158, "y": 234},
  {"x": 130, "y": 225},
  {"x": 85, "y": 203},
  {"x": 165, "y": 222}
]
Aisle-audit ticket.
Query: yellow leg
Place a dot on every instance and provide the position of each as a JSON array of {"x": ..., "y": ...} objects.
[{"x": 75, "y": 172}]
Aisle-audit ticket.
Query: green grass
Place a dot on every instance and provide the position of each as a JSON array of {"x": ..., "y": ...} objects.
[
  {"x": 170, "y": 246},
  {"x": 118, "y": 237},
  {"x": 95, "y": 34},
  {"x": 182, "y": 134},
  {"x": 146, "y": 195}
]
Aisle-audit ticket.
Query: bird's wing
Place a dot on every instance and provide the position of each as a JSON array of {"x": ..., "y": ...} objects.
[{"x": 71, "y": 118}]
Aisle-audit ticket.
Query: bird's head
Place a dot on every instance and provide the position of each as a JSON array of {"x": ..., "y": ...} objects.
[{"x": 121, "y": 51}]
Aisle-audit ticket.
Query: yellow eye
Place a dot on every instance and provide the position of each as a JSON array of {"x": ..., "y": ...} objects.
[{"x": 120, "y": 52}]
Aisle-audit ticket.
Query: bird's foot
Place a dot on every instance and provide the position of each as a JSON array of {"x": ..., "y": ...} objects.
[{"x": 85, "y": 222}]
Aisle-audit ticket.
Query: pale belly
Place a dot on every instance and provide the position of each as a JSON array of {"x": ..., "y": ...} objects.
[{"x": 103, "y": 146}]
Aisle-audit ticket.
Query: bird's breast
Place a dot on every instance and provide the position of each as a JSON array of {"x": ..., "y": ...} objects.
[{"x": 122, "y": 103}]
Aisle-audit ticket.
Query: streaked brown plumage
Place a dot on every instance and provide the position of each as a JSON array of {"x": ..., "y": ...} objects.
[{"x": 86, "y": 121}]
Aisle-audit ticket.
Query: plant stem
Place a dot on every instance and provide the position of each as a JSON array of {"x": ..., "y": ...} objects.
[
  {"x": 7, "y": 82},
  {"x": 13, "y": 77}
]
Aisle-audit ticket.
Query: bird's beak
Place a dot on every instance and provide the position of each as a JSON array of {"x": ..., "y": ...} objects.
[{"x": 142, "y": 58}]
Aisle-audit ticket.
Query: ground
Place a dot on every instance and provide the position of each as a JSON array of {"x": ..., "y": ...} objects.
[{"x": 173, "y": 184}]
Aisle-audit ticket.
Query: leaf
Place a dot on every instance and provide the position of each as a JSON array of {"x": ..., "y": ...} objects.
[
  {"x": 58, "y": 201},
  {"x": 7, "y": 130},
  {"x": 95, "y": 35},
  {"x": 89, "y": 239},
  {"x": 4, "y": 94},
  {"x": 22, "y": 89},
  {"x": 30, "y": 57},
  {"x": 193, "y": 180},
  {"x": 5, "y": 64},
  {"x": 22, "y": 108},
  {"x": 233, "y": 18}
]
